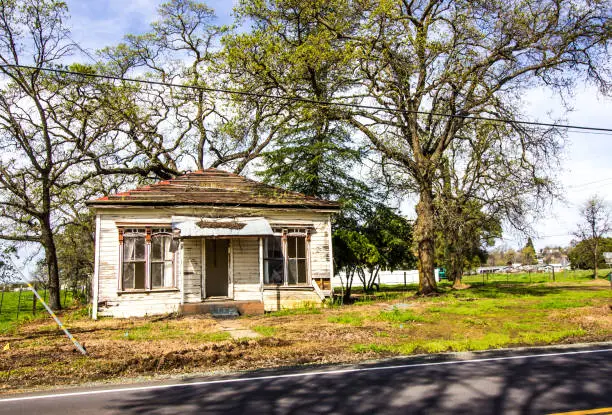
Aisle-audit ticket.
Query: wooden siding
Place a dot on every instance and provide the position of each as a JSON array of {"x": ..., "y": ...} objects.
[
  {"x": 128, "y": 304},
  {"x": 192, "y": 270},
  {"x": 281, "y": 298},
  {"x": 246, "y": 260},
  {"x": 245, "y": 267}
]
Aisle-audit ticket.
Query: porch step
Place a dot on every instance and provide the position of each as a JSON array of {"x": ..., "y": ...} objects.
[
  {"x": 224, "y": 312},
  {"x": 224, "y": 308}
]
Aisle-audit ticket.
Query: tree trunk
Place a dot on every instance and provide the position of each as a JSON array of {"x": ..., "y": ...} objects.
[
  {"x": 596, "y": 258},
  {"x": 456, "y": 271},
  {"x": 350, "y": 274},
  {"x": 52, "y": 265},
  {"x": 424, "y": 237}
]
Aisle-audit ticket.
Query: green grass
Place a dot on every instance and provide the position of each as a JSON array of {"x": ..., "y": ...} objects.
[
  {"x": 487, "y": 341},
  {"x": 307, "y": 309},
  {"x": 534, "y": 277},
  {"x": 490, "y": 316},
  {"x": 353, "y": 319},
  {"x": 9, "y": 318},
  {"x": 164, "y": 331},
  {"x": 266, "y": 331},
  {"x": 399, "y": 316}
]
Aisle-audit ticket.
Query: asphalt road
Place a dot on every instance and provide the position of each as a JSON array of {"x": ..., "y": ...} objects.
[{"x": 533, "y": 381}]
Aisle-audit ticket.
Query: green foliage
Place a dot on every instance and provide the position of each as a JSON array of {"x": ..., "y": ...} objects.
[
  {"x": 463, "y": 231},
  {"x": 581, "y": 255},
  {"x": 382, "y": 241},
  {"x": 529, "y": 253}
]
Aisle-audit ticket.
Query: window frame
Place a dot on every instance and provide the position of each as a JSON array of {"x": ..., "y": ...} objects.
[
  {"x": 284, "y": 233},
  {"x": 149, "y": 231}
]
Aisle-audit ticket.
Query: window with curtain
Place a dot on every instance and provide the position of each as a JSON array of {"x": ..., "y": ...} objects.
[
  {"x": 134, "y": 261},
  {"x": 161, "y": 259},
  {"x": 285, "y": 258},
  {"x": 146, "y": 261}
]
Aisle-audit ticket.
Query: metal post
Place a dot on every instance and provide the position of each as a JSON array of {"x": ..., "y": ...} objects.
[
  {"x": 553, "y": 273},
  {"x": 404, "y": 279},
  {"x": 34, "y": 302},
  {"x": 59, "y": 323},
  {"x": 19, "y": 303},
  {"x": 51, "y": 313},
  {"x": 65, "y": 292},
  {"x": 2, "y": 299}
]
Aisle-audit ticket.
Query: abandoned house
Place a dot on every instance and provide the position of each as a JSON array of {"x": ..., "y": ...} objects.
[{"x": 210, "y": 239}]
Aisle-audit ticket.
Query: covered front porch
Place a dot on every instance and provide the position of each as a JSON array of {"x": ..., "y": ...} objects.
[{"x": 246, "y": 264}]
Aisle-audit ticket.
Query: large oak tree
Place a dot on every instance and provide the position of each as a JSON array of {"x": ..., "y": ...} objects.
[{"x": 430, "y": 65}]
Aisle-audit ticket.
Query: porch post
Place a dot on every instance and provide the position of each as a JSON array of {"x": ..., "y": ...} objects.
[
  {"x": 261, "y": 267},
  {"x": 203, "y": 268},
  {"x": 96, "y": 278}
]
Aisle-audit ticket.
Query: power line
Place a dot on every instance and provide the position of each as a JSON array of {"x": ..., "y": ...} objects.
[
  {"x": 589, "y": 183},
  {"x": 305, "y": 100}
]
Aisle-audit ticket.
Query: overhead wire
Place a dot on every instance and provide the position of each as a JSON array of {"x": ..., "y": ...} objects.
[{"x": 305, "y": 100}]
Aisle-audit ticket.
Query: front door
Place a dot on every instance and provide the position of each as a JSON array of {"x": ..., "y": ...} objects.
[{"x": 216, "y": 267}]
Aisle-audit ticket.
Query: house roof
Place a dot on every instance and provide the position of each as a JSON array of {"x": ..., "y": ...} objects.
[{"x": 212, "y": 187}]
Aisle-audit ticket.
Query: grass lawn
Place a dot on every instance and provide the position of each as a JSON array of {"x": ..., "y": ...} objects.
[
  {"x": 10, "y": 319},
  {"x": 394, "y": 322}
]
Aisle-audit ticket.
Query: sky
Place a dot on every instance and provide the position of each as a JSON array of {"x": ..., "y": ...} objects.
[{"x": 586, "y": 167}]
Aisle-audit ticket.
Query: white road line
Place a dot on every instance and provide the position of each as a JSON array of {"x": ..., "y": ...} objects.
[{"x": 296, "y": 375}]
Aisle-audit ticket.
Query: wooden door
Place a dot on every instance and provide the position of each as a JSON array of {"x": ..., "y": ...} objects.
[{"x": 216, "y": 272}]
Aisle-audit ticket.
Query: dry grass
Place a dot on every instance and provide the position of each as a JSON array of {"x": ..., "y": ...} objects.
[{"x": 470, "y": 319}]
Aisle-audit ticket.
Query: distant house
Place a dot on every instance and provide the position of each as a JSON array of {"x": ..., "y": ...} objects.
[{"x": 210, "y": 239}]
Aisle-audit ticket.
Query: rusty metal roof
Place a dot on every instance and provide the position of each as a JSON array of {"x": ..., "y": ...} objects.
[{"x": 212, "y": 187}]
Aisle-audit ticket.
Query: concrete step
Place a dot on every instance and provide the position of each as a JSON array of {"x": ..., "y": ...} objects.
[
  {"x": 224, "y": 312},
  {"x": 224, "y": 308}
]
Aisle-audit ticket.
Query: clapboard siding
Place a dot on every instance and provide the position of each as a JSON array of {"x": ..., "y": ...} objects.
[
  {"x": 247, "y": 292},
  {"x": 279, "y": 298},
  {"x": 128, "y": 304},
  {"x": 143, "y": 304},
  {"x": 192, "y": 270},
  {"x": 245, "y": 253}
]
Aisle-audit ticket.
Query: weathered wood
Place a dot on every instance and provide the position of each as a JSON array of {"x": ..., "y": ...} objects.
[{"x": 246, "y": 262}]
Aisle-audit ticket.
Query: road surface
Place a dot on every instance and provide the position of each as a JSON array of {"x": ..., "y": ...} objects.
[{"x": 530, "y": 381}]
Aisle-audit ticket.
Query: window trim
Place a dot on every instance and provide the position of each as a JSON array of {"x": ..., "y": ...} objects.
[
  {"x": 284, "y": 233},
  {"x": 162, "y": 229}
]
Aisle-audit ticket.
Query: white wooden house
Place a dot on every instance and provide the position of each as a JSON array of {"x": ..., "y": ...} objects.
[{"x": 209, "y": 239}]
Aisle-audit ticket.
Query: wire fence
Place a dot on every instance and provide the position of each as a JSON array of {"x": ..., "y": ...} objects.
[
  {"x": 18, "y": 302},
  {"x": 533, "y": 277}
]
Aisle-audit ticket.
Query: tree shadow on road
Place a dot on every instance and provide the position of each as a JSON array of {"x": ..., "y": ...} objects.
[{"x": 525, "y": 386}]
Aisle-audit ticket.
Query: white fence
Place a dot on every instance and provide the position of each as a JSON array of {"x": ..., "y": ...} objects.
[{"x": 385, "y": 277}]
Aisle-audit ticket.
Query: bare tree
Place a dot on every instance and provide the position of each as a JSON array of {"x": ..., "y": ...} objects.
[
  {"x": 200, "y": 127},
  {"x": 58, "y": 133},
  {"x": 595, "y": 225}
]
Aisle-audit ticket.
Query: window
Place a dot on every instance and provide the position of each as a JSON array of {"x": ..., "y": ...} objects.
[
  {"x": 274, "y": 263},
  {"x": 161, "y": 259},
  {"x": 146, "y": 258},
  {"x": 134, "y": 259},
  {"x": 285, "y": 257},
  {"x": 296, "y": 257}
]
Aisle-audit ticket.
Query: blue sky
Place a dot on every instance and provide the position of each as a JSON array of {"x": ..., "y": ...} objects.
[{"x": 587, "y": 163}]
